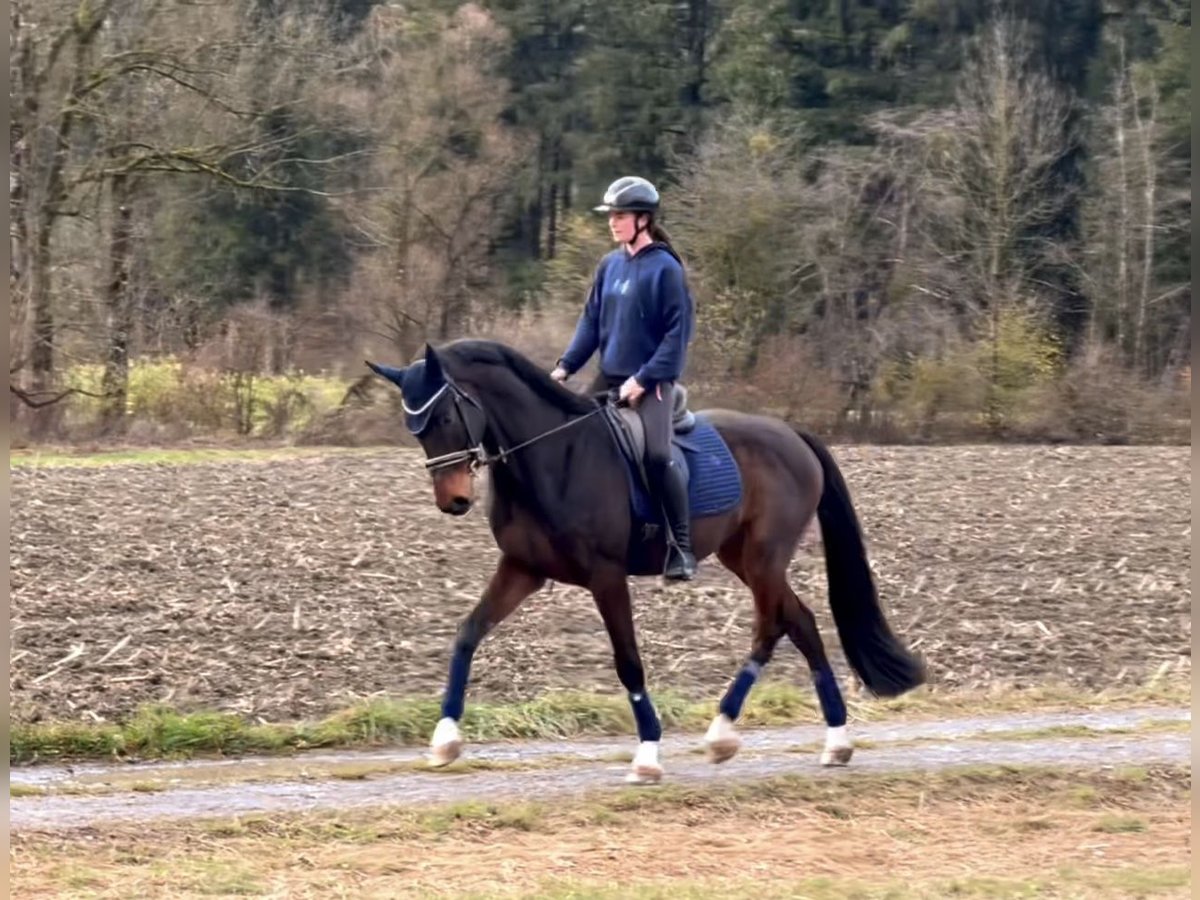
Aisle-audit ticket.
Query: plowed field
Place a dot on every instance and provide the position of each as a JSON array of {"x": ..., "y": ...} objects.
[{"x": 289, "y": 588}]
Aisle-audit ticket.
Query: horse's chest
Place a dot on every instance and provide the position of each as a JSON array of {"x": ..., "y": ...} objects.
[
  {"x": 559, "y": 556},
  {"x": 521, "y": 537}
]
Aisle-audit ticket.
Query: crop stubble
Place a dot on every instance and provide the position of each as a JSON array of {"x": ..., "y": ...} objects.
[{"x": 287, "y": 589}]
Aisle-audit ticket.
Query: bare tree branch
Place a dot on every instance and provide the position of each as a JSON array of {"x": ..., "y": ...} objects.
[{"x": 28, "y": 397}]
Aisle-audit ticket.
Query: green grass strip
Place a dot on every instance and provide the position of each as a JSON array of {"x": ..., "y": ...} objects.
[
  {"x": 162, "y": 732},
  {"x": 47, "y": 459}
]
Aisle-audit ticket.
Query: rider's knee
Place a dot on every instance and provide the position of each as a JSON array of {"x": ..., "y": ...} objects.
[{"x": 658, "y": 460}]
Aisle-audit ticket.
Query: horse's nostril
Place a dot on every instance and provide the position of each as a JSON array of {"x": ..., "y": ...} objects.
[{"x": 459, "y": 505}]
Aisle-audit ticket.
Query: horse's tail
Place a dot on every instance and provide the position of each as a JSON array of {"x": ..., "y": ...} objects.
[{"x": 887, "y": 668}]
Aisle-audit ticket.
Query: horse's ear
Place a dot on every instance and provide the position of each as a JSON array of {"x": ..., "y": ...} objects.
[
  {"x": 395, "y": 376},
  {"x": 433, "y": 364}
]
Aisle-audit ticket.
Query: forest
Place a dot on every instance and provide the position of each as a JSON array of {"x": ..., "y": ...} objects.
[{"x": 906, "y": 220}]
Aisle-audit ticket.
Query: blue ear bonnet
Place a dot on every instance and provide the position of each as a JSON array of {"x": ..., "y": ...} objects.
[{"x": 421, "y": 390}]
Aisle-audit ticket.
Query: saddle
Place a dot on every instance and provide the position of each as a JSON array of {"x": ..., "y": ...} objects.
[
  {"x": 714, "y": 482},
  {"x": 630, "y": 434}
]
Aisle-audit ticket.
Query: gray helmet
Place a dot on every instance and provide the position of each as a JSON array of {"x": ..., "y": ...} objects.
[{"x": 630, "y": 194}]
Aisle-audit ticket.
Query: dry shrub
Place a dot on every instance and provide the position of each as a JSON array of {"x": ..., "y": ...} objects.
[
  {"x": 380, "y": 423},
  {"x": 788, "y": 383},
  {"x": 370, "y": 413},
  {"x": 932, "y": 397},
  {"x": 1098, "y": 399},
  {"x": 540, "y": 334}
]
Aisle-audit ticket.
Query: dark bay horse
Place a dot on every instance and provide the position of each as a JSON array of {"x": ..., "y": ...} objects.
[{"x": 560, "y": 510}]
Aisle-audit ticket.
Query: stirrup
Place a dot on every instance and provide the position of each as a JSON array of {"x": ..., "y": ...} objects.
[{"x": 681, "y": 564}]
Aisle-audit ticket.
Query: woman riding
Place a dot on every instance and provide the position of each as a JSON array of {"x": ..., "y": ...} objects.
[{"x": 639, "y": 315}]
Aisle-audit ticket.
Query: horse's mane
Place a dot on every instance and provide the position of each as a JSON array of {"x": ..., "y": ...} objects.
[{"x": 493, "y": 353}]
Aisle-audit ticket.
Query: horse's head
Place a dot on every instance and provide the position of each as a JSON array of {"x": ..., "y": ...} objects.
[{"x": 449, "y": 424}]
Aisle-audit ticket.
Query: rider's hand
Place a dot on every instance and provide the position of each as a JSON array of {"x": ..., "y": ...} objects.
[
  {"x": 560, "y": 374},
  {"x": 631, "y": 391}
]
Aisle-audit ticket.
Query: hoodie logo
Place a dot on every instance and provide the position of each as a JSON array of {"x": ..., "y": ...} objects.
[{"x": 623, "y": 286}]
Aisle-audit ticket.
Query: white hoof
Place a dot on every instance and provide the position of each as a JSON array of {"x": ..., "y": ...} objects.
[
  {"x": 646, "y": 768},
  {"x": 722, "y": 739},
  {"x": 446, "y": 744},
  {"x": 838, "y": 748}
]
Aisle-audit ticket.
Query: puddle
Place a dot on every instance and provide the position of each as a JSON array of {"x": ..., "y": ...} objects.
[{"x": 953, "y": 743}]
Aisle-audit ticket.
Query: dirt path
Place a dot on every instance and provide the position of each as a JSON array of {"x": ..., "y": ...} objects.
[{"x": 1098, "y": 739}]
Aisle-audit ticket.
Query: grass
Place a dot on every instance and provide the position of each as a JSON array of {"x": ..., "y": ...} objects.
[
  {"x": 839, "y": 799},
  {"x": 1093, "y": 882},
  {"x": 784, "y": 826},
  {"x": 161, "y": 732},
  {"x": 26, "y": 790},
  {"x": 1120, "y": 825},
  {"x": 44, "y": 459}
]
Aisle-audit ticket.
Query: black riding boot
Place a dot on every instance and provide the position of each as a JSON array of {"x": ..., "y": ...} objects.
[{"x": 681, "y": 562}]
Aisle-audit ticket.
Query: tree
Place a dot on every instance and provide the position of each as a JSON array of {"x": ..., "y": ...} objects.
[
  {"x": 110, "y": 93},
  {"x": 987, "y": 169},
  {"x": 1137, "y": 200},
  {"x": 541, "y": 66},
  {"x": 51, "y": 83},
  {"x": 736, "y": 211},
  {"x": 443, "y": 164}
]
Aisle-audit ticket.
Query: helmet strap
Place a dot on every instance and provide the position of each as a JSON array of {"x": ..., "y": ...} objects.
[{"x": 639, "y": 228}]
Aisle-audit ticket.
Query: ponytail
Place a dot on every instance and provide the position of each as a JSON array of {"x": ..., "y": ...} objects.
[{"x": 659, "y": 235}]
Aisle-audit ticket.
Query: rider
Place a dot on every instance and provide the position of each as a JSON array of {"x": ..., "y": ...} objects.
[{"x": 639, "y": 315}]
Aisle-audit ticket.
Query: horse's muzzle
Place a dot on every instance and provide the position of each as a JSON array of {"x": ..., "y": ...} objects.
[
  {"x": 453, "y": 490},
  {"x": 458, "y": 506}
]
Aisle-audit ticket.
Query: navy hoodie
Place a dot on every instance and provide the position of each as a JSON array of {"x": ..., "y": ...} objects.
[{"x": 639, "y": 315}]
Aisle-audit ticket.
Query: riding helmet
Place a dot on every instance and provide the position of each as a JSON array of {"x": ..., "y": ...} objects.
[{"x": 630, "y": 194}]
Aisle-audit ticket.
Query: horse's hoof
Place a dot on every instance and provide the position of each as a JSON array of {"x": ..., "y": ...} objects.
[
  {"x": 722, "y": 740},
  {"x": 644, "y": 775},
  {"x": 446, "y": 745},
  {"x": 838, "y": 748},
  {"x": 836, "y": 756},
  {"x": 646, "y": 768}
]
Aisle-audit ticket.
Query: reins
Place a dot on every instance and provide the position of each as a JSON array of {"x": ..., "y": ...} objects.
[{"x": 477, "y": 455}]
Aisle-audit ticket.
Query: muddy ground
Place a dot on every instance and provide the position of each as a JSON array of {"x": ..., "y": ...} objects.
[{"x": 291, "y": 588}]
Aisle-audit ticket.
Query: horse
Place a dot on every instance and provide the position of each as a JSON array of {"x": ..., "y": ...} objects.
[{"x": 561, "y": 510}]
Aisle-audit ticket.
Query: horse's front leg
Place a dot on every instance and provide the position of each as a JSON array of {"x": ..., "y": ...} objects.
[
  {"x": 611, "y": 594},
  {"x": 510, "y": 584}
]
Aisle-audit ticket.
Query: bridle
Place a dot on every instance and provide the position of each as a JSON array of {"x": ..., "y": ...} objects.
[{"x": 475, "y": 454}]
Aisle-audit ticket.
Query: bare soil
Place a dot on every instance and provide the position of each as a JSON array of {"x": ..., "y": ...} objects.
[{"x": 288, "y": 589}]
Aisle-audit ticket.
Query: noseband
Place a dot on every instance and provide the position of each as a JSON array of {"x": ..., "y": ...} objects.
[{"x": 476, "y": 455}]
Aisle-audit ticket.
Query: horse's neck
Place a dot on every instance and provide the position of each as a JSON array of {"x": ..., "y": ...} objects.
[
  {"x": 542, "y": 472},
  {"x": 518, "y": 415}
]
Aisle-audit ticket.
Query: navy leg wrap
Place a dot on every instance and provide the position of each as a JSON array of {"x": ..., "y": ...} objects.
[
  {"x": 648, "y": 726},
  {"x": 830, "y": 697},
  {"x": 456, "y": 687},
  {"x": 731, "y": 703}
]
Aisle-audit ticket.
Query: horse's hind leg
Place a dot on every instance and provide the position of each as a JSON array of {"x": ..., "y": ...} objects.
[
  {"x": 722, "y": 739},
  {"x": 801, "y": 626}
]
